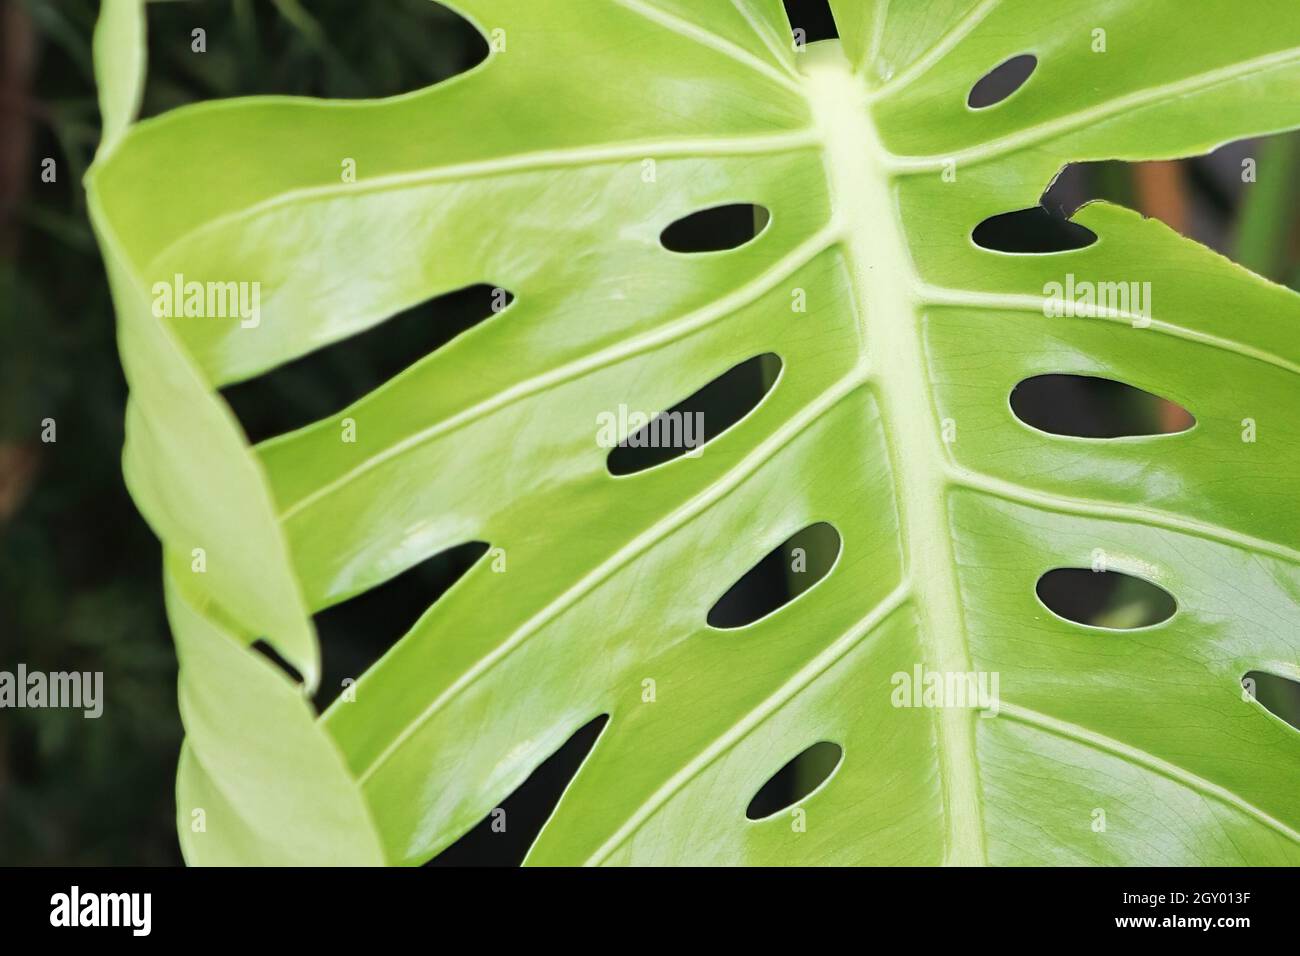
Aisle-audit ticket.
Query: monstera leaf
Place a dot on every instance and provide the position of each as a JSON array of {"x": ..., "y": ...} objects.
[{"x": 552, "y": 171}]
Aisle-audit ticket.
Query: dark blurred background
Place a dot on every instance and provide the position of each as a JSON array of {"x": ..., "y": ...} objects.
[{"x": 80, "y": 572}]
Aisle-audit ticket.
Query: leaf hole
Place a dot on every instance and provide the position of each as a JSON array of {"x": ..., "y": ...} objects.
[
  {"x": 1280, "y": 696},
  {"x": 814, "y": 18},
  {"x": 503, "y": 837},
  {"x": 716, "y": 229},
  {"x": 694, "y": 421},
  {"x": 1031, "y": 231},
  {"x": 782, "y": 575},
  {"x": 1104, "y": 599},
  {"x": 355, "y": 633},
  {"x": 318, "y": 49},
  {"x": 1085, "y": 406},
  {"x": 796, "y": 780},
  {"x": 331, "y": 378},
  {"x": 1000, "y": 82}
]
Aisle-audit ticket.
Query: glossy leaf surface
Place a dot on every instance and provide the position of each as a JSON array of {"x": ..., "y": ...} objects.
[{"x": 552, "y": 170}]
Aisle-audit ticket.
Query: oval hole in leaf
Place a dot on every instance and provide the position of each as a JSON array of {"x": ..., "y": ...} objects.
[
  {"x": 1106, "y": 599},
  {"x": 786, "y": 572},
  {"x": 1031, "y": 231},
  {"x": 1085, "y": 406},
  {"x": 325, "y": 50},
  {"x": 334, "y": 376},
  {"x": 1280, "y": 696},
  {"x": 1001, "y": 81},
  {"x": 796, "y": 780},
  {"x": 715, "y": 229},
  {"x": 697, "y": 419}
]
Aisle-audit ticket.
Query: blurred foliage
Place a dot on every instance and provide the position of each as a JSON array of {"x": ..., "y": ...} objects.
[{"x": 79, "y": 572}]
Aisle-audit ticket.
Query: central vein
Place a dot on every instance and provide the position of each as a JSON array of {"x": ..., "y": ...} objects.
[{"x": 885, "y": 284}]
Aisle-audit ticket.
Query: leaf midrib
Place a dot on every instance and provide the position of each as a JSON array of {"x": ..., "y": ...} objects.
[
  {"x": 861, "y": 175},
  {"x": 867, "y": 229},
  {"x": 886, "y": 290},
  {"x": 870, "y": 235}
]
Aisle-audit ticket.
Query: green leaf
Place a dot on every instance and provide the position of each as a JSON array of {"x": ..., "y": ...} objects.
[
  {"x": 119, "y": 55},
  {"x": 269, "y": 787},
  {"x": 551, "y": 170}
]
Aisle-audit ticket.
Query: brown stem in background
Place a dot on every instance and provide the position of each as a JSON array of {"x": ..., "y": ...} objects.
[
  {"x": 17, "y": 466},
  {"x": 1161, "y": 193},
  {"x": 17, "y": 64},
  {"x": 17, "y": 60}
]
